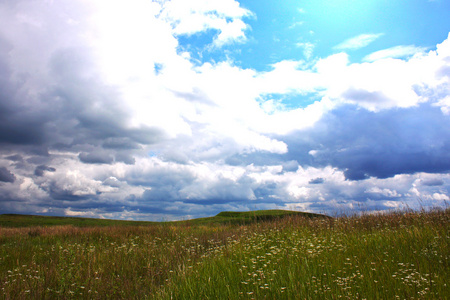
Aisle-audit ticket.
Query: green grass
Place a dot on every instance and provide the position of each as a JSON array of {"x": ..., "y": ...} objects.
[
  {"x": 401, "y": 255},
  {"x": 374, "y": 257}
]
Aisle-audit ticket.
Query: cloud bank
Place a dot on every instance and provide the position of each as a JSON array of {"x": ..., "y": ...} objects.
[{"x": 104, "y": 113}]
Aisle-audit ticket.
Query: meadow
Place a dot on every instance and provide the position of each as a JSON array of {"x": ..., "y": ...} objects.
[{"x": 257, "y": 255}]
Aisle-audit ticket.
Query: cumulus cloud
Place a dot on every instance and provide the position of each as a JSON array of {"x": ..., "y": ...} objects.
[
  {"x": 116, "y": 119},
  {"x": 366, "y": 144},
  {"x": 384, "y": 192},
  {"x": 190, "y": 17},
  {"x": 6, "y": 175}
]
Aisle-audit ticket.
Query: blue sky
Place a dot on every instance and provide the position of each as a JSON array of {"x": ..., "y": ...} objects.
[
  {"x": 284, "y": 30},
  {"x": 166, "y": 110}
]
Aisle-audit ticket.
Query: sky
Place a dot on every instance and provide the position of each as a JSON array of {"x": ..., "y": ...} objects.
[{"x": 171, "y": 110}]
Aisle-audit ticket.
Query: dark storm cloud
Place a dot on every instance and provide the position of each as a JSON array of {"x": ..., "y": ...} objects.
[
  {"x": 90, "y": 109},
  {"x": 21, "y": 128},
  {"x": 40, "y": 158},
  {"x": 98, "y": 115},
  {"x": 126, "y": 158},
  {"x": 96, "y": 158},
  {"x": 6, "y": 175},
  {"x": 39, "y": 171},
  {"x": 57, "y": 192},
  {"x": 53, "y": 95},
  {"x": 432, "y": 182},
  {"x": 354, "y": 173},
  {"x": 15, "y": 157},
  {"x": 74, "y": 111},
  {"x": 24, "y": 120},
  {"x": 383, "y": 144},
  {"x": 17, "y": 125},
  {"x": 92, "y": 204},
  {"x": 120, "y": 143}
]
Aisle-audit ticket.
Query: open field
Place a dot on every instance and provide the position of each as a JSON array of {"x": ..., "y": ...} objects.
[{"x": 403, "y": 255}]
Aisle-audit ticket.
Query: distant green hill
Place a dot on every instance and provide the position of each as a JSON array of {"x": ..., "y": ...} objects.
[
  {"x": 233, "y": 217},
  {"x": 226, "y": 217}
]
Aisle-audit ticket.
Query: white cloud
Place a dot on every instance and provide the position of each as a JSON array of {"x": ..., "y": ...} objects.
[
  {"x": 298, "y": 192},
  {"x": 190, "y": 17},
  {"x": 358, "y": 42},
  {"x": 444, "y": 104},
  {"x": 386, "y": 82},
  {"x": 230, "y": 32},
  {"x": 126, "y": 49},
  {"x": 89, "y": 214},
  {"x": 393, "y": 204},
  {"x": 28, "y": 189},
  {"x": 441, "y": 197},
  {"x": 384, "y": 192},
  {"x": 395, "y": 52},
  {"x": 308, "y": 49}
]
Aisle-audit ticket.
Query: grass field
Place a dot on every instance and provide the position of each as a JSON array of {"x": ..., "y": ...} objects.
[{"x": 253, "y": 255}]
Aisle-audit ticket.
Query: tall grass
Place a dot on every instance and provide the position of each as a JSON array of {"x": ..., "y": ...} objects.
[
  {"x": 393, "y": 256},
  {"x": 113, "y": 262}
]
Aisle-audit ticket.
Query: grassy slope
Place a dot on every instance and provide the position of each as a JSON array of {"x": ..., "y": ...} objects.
[{"x": 11, "y": 220}]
